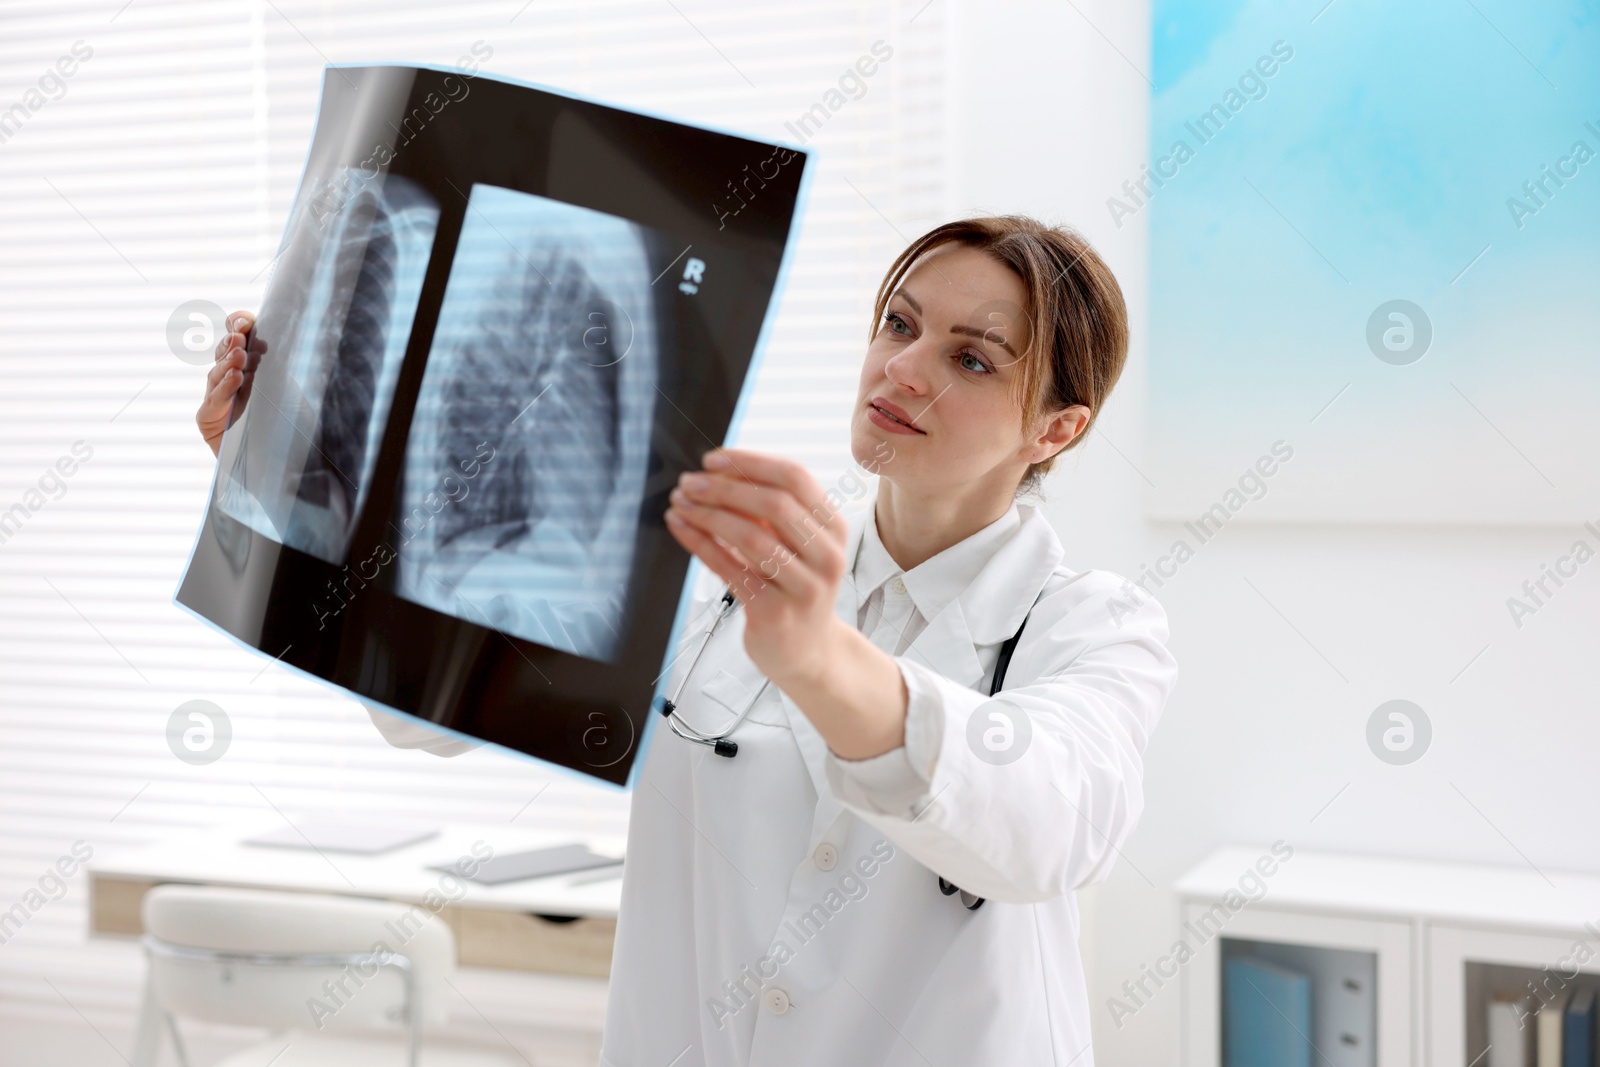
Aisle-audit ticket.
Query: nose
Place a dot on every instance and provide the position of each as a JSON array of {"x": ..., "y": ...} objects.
[{"x": 907, "y": 369}]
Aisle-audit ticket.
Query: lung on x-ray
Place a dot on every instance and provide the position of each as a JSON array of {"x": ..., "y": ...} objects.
[
  {"x": 501, "y": 323},
  {"x": 302, "y": 478},
  {"x": 543, "y": 371}
]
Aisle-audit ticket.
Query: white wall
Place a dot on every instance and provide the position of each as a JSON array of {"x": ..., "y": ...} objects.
[{"x": 1262, "y": 732}]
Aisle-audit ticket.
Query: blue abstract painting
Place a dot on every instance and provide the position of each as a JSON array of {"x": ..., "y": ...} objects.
[{"x": 1374, "y": 260}]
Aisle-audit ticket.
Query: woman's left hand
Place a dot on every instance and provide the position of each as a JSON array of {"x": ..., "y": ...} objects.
[{"x": 765, "y": 526}]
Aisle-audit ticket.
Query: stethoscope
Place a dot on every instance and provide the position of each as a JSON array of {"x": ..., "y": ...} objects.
[{"x": 720, "y": 744}]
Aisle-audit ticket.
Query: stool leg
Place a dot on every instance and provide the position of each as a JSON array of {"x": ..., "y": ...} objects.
[{"x": 147, "y": 1038}]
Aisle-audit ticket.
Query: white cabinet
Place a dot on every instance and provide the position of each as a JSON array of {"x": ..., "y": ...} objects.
[
  {"x": 1389, "y": 941},
  {"x": 1453, "y": 949},
  {"x": 1436, "y": 932}
]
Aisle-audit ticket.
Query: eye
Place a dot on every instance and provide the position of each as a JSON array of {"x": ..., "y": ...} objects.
[
  {"x": 967, "y": 354},
  {"x": 897, "y": 324}
]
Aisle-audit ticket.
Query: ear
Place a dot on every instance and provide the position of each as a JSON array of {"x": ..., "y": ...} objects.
[{"x": 1057, "y": 432}]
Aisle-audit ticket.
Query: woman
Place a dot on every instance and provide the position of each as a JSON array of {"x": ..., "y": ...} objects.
[{"x": 883, "y": 874}]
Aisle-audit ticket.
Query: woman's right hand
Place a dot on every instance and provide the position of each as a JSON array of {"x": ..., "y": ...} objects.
[{"x": 224, "y": 379}]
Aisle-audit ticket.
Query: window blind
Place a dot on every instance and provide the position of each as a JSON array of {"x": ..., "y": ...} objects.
[{"x": 160, "y": 171}]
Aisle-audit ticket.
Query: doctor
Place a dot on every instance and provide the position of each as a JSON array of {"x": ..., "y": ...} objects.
[
  {"x": 784, "y": 906},
  {"x": 883, "y": 872}
]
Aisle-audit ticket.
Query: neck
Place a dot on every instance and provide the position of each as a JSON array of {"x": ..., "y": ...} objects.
[{"x": 915, "y": 527}]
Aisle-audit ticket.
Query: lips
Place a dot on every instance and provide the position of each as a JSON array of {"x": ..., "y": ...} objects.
[{"x": 894, "y": 412}]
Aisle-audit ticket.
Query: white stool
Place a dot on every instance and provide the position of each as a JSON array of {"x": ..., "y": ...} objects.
[{"x": 306, "y": 966}]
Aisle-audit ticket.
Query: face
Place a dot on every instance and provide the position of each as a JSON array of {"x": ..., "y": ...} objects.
[{"x": 946, "y": 358}]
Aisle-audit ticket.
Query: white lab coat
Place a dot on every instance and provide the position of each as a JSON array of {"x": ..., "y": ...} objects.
[{"x": 780, "y": 910}]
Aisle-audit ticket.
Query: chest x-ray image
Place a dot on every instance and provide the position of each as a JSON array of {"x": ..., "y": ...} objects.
[
  {"x": 301, "y": 470},
  {"x": 543, "y": 371},
  {"x": 502, "y": 321}
]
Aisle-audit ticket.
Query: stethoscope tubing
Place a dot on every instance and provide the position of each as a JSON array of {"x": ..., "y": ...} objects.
[{"x": 718, "y": 743}]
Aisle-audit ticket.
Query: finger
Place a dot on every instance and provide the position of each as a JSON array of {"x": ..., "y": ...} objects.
[
  {"x": 224, "y": 379},
  {"x": 239, "y": 323},
  {"x": 762, "y": 551},
  {"x": 781, "y": 473},
  {"x": 230, "y": 343},
  {"x": 799, "y": 528},
  {"x": 761, "y": 467},
  {"x": 766, "y": 469},
  {"x": 724, "y": 564},
  {"x": 219, "y": 395},
  {"x": 230, "y": 362}
]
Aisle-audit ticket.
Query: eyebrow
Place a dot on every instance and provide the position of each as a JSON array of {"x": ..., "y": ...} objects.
[{"x": 964, "y": 331}]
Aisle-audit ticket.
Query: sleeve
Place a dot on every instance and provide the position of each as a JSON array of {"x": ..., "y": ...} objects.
[
  {"x": 1031, "y": 793},
  {"x": 897, "y": 778},
  {"x": 404, "y": 732}
]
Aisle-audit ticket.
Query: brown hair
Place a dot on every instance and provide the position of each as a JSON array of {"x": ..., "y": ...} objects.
[{"x": 1078, "y": 338}]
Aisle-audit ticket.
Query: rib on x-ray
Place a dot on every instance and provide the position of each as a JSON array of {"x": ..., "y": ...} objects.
[
  {"x": 526, "y": 460},
  {"x": 329, "y": 375}
]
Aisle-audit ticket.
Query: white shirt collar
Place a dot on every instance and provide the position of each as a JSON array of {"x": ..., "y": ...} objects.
[{"x": 936, "y": 581}]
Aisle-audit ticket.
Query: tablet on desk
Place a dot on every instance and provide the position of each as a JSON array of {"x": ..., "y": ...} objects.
[
  {"x": 344, "y": 835},
  {"x": 534, "y": 863}
]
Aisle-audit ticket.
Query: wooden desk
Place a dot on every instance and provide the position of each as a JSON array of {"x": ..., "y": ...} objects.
[{"x": 563, "y": 924}]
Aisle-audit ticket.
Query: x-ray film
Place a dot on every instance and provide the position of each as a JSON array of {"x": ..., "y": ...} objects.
[
  {"x": 501, "y": 322},
  {"x": 302, "y": 477},
  {"x": 543, "y": 368}
]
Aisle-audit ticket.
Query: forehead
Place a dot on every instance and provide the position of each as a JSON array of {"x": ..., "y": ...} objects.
[{"x": 958, "y": 278}]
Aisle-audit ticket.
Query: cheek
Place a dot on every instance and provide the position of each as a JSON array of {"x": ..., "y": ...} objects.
[
  {"x": 978, "y": 423},
  {"x": 872, "y": 364}
]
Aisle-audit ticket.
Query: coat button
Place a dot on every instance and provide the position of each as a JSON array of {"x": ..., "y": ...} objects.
[
  {"x": 898, "y": 585},
  {"x": 776, "y": 1001},
  {"x": 826, "y": 857}
]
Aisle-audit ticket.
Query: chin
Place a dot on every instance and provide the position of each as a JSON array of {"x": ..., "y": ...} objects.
[
  {"x": 868, "y": 447},
  {"x": 861, "y": 439},
  {"x": 874, "y": 455}
]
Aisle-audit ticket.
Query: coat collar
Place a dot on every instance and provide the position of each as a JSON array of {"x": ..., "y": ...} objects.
[
  {"x": 933, "y": 583},
  {"x": 990, "y": 610}
]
